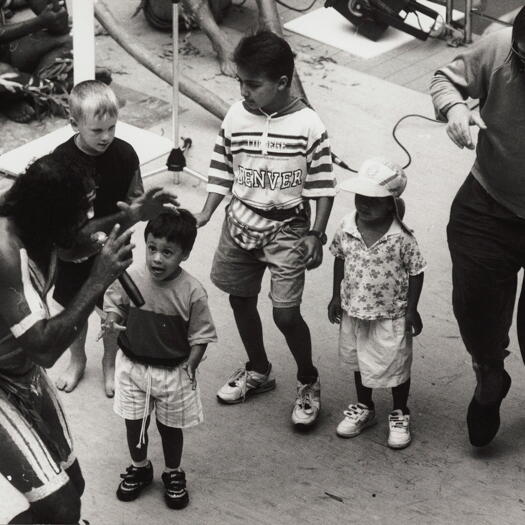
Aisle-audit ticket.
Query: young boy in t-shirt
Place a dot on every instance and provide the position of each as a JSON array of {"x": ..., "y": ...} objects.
[
  {"x": 114, "y": 167},
  {"x": 161, "y": 345},
  {"x": 273, "y": 155}
]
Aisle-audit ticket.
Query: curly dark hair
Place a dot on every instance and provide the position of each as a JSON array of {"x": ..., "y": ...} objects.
[
  {"x": 48, "y": 202},
  {"x": 179, "y": 228}
]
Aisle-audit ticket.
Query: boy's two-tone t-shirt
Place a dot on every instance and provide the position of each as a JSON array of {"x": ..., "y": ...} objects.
[
  {"x": 272, "y": 161},
  {"x": 174, "y": 318},
  {"x": 375, "y": 283}
]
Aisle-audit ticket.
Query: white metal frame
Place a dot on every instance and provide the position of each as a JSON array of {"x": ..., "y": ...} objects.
[{"x": 175, "y": 96}]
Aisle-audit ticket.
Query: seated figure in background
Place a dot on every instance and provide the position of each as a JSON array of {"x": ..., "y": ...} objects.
[{"x": 35, "y": 58}]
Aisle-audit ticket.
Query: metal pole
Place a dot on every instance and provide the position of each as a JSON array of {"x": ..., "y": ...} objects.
[
  {"x": 468, "y": 22},
  {"x": 175, "y": 84},
  {"x": 448, "y": 13},
  {"x": 187, "y": 170}
]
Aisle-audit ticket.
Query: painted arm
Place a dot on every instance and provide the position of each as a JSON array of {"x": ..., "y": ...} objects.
[
  {"x": 45, "y": 339},
  {"x": 47, "y": 18},
  {"x": 143, "y": 207}
]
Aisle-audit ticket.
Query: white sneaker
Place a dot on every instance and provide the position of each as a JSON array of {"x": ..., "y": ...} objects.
[
  {"x": 357, "y": 418},
  {"x": 399, "y": 434},
  {"x": 307, "y": 403},
  {"x": 243, "y": 383}
]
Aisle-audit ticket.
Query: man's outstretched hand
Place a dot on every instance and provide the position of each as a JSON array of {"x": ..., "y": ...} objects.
[
  {"x": 150, "y": 204},
  {"x": 114, "y": 257}
]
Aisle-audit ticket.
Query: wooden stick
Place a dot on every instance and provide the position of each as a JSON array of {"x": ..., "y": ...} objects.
[{"x": 188, "y": 87}]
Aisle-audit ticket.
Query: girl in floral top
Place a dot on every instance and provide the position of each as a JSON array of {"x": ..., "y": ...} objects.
[{"x": 378, "y": 277}]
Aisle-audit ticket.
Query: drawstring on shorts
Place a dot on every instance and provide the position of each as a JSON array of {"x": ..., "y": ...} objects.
[{"x": 145, "y": 415}]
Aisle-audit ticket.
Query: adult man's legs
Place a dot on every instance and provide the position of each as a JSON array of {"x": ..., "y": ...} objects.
[
  {"x": 63, "y": 506},
  {"x": 35, "y": 452},
  {"x": 481, "y": 238}
]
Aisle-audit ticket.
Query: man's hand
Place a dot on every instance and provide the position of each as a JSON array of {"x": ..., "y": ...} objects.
[
  {"x": 54, "y": 17},
  {"x": 150, "y": 204},
  {"x": 312, "y": 251},
  {"x": 460, "y": 118},
  {"x": 114, "y": 257},
  {"x": 335, "y": 312},
  {"x": 414, "y": 324}
]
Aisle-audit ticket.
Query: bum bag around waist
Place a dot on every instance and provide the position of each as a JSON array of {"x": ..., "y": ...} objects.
[{"x": 250, "y": 229}]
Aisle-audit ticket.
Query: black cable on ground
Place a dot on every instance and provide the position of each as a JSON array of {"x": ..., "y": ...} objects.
[
  {"x": 341, "y": 163},
  {"x": 394, "y": 129}
]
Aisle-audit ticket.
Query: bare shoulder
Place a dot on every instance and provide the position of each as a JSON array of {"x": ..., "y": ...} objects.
[{"x": 10, "y": 245}]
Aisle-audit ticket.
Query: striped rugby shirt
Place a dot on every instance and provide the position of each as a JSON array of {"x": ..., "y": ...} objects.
[{"x": 272, "y": 161}]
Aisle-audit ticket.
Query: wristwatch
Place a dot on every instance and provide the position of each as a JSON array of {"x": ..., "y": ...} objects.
[{"x": 320, "y": 235}]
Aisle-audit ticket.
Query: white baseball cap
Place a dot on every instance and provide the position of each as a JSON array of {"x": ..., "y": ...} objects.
[
  {"x": 377, "y": 178},
  {"x": 380, "y": 178}
]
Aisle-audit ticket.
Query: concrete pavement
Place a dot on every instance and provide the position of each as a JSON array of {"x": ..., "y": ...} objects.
[{"x": 246, "y": 464}]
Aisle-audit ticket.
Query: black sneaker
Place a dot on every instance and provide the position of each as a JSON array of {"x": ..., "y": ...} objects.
[
  {"x": 176, "y": 495},
  {"x": 133, "y": 481},
  {"x": 483, "y": 420}
]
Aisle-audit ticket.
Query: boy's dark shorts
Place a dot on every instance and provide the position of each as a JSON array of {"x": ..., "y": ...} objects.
[{"x": 239, "y": 272}]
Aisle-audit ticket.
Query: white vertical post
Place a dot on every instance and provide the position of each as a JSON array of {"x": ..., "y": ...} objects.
[
  {"x": 175, "y": 66},
  {"x": 175, "y": 84},
  {"x": 83, "y": 40}
]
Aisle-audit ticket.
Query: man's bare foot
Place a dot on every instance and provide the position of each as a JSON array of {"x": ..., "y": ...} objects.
[
  {"x": 227, "y": 66},
  {"x": 108, "y": 371},
  {"x": 68, "y": 381}
]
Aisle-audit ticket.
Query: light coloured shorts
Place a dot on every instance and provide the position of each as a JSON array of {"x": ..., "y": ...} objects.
[
  {"x": 239, "y": 272},
  {"x": 380, "y": 349},
  {"x": 170, "y": 390},
  {"x": 12, "y": 502}
]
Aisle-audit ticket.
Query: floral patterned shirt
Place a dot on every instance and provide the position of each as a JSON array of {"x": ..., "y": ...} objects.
[{"x": 375, "y": 283}]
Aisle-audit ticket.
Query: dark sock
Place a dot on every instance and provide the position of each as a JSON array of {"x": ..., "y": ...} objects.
[
  {"x": 364, "y": 394},
  {"x": 400, "y": 397}
]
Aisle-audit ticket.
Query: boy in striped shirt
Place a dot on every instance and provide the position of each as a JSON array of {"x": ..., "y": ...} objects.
[{"x": 273, "y": 156}]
